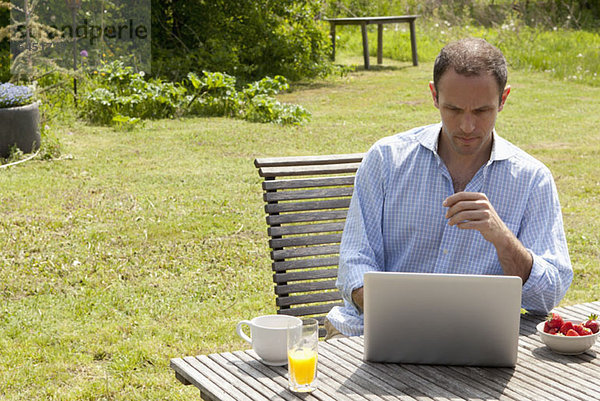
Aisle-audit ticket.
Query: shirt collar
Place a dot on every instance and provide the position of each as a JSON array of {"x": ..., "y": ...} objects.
[{"x": 501, "y": 148}]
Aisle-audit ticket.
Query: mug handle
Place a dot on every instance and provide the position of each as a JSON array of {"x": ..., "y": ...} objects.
[{"x": 241, "y": 333}]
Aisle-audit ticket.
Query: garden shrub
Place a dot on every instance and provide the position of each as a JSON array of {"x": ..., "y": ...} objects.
[
  {"x": 116, "y": 95},
  {"x": 117, "y": 92}
]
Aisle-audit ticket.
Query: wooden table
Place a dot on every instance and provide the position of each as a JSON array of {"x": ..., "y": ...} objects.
[
  {"x": 540, "y": 374},
  {"x": 363, "y": 22}
]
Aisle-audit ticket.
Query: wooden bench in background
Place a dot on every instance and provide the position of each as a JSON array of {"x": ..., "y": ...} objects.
[
  {"x": 363, "y": 22},
  {"x": 307, "y": 199}
]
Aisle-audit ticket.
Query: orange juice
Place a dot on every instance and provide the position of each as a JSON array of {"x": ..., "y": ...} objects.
[{"x": 303, "y": 365}]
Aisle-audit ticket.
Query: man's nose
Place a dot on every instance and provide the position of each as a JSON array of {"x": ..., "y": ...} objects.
[{"x": 467, "y": 123}]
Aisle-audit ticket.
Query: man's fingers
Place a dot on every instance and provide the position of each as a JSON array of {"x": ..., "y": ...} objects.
[
  {"x": 465, "y": 206},
  {"x": 470, "y": 215},
  {"x": 463, "y": 196}
]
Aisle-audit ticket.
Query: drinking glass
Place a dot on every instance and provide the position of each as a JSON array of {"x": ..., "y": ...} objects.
[{"x": 302, "y": 351}]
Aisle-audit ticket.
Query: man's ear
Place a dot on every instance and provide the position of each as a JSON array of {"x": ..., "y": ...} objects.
[
  {"x": 434, "y": 94},
  {"x": 503, "y": 97}
]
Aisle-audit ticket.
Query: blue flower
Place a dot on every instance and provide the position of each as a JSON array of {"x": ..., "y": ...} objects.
[{"x": 14, "y": 95}]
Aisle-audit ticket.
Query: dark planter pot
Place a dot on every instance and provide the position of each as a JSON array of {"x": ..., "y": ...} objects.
[{"x": 20, "y": 126}]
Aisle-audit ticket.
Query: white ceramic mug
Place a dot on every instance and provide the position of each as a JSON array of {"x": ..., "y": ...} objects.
[{"x": 268, "y": 336}]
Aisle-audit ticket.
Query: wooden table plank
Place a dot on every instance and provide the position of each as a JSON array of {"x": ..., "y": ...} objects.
[
  {"x": 508, "y": 375},
  {"x": 492, "y": 389},
  {"x": 244, "y": 379},
  {"x": 374, "y": 388},
  {"x": 224, "y": 391},
  {"x": 345, "y": 356},
  {"x": 416, "y": 386},
  {"x": 343, "y": 375},
  {"x": 209, "y": 390}
]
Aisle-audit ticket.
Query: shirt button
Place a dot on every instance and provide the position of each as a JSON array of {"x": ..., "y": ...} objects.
[{"x": 445, "y": 251}]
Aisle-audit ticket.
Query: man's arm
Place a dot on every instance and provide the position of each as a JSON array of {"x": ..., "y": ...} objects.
[
  {"x": 546, "y": 270},
  {"x": 473, "y": 210},
  {"x": 361, "y": 249}
]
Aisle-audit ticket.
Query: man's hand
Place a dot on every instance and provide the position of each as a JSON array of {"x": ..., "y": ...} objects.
[
  {"x": 357, "y": 297},
  {"x": 473, "y": 211}
]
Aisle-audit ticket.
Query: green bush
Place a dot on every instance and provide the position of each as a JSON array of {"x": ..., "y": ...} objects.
[
  {"x": 117, "y": 91},
  {"x": 116, "y": 95}
]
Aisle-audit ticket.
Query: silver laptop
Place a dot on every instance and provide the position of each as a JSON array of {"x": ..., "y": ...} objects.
[{"x": 449, "y": 319}]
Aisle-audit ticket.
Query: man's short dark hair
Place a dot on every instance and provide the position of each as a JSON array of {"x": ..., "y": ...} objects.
[{"x": 471, "y": 56}]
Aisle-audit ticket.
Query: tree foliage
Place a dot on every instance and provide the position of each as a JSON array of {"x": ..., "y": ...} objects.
[
  {"x": 576, "y": 14},
  {"x": 248, "y": 39},
  {"x": 4, "y": 44}
]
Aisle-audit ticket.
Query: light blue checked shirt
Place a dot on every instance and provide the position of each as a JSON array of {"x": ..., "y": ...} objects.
[{"x": 396, "y": 220}]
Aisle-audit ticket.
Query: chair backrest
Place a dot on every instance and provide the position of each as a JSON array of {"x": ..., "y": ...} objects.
[{"x": 307, "y": 199}]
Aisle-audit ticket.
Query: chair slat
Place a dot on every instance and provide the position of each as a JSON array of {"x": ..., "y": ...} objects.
[
  {"x": 308, "y": 170},
  {"x": 305, "y": 229},
  {"x": 306, "y": 217},
  {"x": 298, "y": 194},
  {"x": 306, "y": 251},
  {"x": 308, "y": 160},
  {"x": 297, "y": 183},
  {"x": 308, "y": 298},
  {"x": 305, "y": 263},
  {"x": 310, "y": 310},
  {"x": 307, "y": 205},
  {"x": 304, "y": 275},
  {"x": 286, "y": 289},
  {"x": 305, "y": 240}
]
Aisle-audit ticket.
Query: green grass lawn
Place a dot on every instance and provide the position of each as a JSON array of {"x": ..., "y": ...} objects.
[{"x": 151, "y": 244}]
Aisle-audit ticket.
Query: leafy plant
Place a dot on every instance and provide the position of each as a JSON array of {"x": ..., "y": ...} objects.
[
  {"x": 215, "y": 94},
  {"x": 119, "y": 96},
  {"x": 116, "y": 90}
]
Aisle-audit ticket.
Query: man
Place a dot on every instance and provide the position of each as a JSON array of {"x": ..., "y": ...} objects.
[{"x": 455, "y": 197}]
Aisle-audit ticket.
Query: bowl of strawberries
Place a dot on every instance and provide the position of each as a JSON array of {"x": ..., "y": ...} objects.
[{"x": 569, "y": 337}]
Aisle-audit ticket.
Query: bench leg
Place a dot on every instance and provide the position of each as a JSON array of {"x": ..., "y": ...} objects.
[
  {"x": 182, "y": 379},
  {"x": 365, "y": 39},
  {"x": 379, "y": 43},
  {"x": 413, "y": 43}
]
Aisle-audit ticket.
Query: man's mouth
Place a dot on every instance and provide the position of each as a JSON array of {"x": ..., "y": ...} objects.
[{"x": 466, "y": 140}]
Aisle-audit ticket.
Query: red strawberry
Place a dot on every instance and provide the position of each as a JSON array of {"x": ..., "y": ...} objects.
[
  {"x": 553, "y": 331},
  {"x": 566, "y": 327},
  {"x": 547, "y": 327},
  {"x": 571, "y": 333},
  {"x": 582, "y": 331},
  {"x": 592, "y": 323},
  {"x": 554, "y": 321}
]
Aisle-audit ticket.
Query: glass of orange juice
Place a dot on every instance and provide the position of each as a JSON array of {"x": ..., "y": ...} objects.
[{"x": 302, "y": 350}]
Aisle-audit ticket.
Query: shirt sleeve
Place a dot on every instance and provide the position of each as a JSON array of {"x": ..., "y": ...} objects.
[
  {"x": 543, "y": 235},
  {"x": 361, "y": 248}
]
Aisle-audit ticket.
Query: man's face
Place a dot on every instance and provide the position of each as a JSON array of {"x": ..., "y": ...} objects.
[{"x": 468, "y": 106}]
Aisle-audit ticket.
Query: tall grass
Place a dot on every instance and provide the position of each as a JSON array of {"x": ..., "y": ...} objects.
[{"x": 572, "y": 55}]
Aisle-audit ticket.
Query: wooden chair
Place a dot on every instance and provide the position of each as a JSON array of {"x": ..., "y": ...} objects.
[{"x": 306, "y": 199}]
